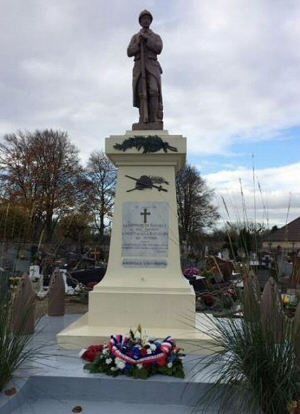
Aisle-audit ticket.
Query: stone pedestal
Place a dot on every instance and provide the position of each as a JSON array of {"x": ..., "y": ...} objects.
[
  {"x": 142, "y": 126},
  {"x": 144, "y": 282}
]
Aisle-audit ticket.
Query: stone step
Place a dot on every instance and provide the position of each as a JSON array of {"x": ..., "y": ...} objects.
[{"x": 61, "y": 393}]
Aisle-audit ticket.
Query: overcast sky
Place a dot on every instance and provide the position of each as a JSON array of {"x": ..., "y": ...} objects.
[{"x": 231, "y": 85}]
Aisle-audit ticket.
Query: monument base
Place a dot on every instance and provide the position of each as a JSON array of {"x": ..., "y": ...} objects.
[
  {"x": 129, "y": 307},
  {"x": 143, "y": 284},
  {"x": 192, "y": 339},
  {"x": 145, "y": 126}
]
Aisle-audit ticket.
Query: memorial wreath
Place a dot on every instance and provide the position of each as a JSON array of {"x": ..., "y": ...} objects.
[{"x": 135, "y": 356}]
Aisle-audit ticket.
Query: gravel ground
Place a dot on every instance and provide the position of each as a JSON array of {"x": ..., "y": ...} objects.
[{"x": 73, "y": 304}]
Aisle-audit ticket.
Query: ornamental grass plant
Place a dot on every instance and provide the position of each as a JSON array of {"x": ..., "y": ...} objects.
[
  {"x": 257, "y": 356},
  {"x": 15, "y": 347}
]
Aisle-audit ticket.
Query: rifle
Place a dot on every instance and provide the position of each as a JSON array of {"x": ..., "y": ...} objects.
[{"x": 144, "y": 104}]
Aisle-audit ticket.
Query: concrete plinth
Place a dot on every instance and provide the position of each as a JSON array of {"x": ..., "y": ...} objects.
[{"x": 144, "y": 282}]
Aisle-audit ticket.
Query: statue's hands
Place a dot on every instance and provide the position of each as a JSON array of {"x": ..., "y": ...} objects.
[{"x": 143, "y": 37}]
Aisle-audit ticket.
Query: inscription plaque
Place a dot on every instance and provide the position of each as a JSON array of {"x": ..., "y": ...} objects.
[
  {"x": 145, "y": 231},
  {"x": 145, "y": 263}
]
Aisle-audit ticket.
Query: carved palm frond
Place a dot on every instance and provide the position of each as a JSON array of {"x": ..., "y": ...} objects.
[{"x": 158, "y": 180}]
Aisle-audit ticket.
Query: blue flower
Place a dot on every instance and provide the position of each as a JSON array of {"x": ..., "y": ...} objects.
[
  {"x": 127, "y": 367},
  {"x": 158, "y": 344},
  {"x": 172, "y": 357},
  {"x": 136, "y": 351}
]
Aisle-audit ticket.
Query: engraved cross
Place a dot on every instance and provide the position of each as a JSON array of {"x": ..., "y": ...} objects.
[{"x": 145, "y": 214}]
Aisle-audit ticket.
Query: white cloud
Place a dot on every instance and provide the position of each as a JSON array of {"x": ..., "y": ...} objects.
[
  {"x": 271, "y": 195},
  {"x": 231, "y": 75}
]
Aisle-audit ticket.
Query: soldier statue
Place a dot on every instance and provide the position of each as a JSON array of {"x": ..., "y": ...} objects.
[{"x": 146, "y": 82}]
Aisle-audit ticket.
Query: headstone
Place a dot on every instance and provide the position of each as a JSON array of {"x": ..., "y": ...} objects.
[
  {"x": 56, "y": 294},
  {"x": 225, "y": 254},
  {"x": 34, "y": 272},
  {"x": 21, "y": 265},
  {"x": 23, "y": 307}
]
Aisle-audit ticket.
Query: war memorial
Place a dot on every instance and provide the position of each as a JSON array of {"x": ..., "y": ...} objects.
[
  {"x": 145, "y": 291},
  {"x": 143, "y": 284}
]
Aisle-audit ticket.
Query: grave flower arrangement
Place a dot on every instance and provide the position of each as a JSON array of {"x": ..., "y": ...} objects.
[
  {"x": 14, "y": 281},
  {"x": 135, "y": 356},
  {"x": 191, "y": 271},
  {"x": 293, "y": 407}
]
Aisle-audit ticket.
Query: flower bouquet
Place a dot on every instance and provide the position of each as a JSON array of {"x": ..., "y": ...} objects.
[
  {"x": 191, "y": 271},
  {"x": 135, "y": 356},
  {"x": 294, "y": 407}
]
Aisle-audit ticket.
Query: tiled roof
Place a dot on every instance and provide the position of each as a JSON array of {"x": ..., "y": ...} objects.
[{"x": 288, "y": 233}]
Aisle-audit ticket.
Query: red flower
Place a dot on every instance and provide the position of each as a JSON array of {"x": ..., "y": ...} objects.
[
  {"x": 91, "y": 353},
  {"x": 91, "y": 285}
]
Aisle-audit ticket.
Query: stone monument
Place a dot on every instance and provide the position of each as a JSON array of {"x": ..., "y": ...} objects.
[{"x": 143, "y": 284}]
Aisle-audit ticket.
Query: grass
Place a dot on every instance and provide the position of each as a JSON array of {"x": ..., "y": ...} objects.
[
  {"x": 257, "y": 355},
  {"x": 15, "y": 347}
]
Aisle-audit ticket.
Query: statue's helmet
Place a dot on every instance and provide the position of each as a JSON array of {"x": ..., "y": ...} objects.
[{"x": 144, "y": 13}]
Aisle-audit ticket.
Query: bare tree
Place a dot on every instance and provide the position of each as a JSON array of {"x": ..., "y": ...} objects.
[
  {"x": 194, "y": 204},
  {"x": 103, "y": 176},
  {"x": 76, "y": 227},
  {"x": 14, "y": 223},
  {"x": 41, "y": 172}
]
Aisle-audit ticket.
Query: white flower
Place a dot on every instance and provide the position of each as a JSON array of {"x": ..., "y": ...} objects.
[
  {"x": 105, "y": 351},
  {"x": 137, "y": 336},
  {"x": 108, "y": 361},
  {"x": 153, "y": 347},
  {"x": 169, "y": 364},
  {"x": 113, "y": 368},
  {"x": 119, "y": 363},
  {"x": 82, "y": 352},
  {"x": 139, "y": 366}
]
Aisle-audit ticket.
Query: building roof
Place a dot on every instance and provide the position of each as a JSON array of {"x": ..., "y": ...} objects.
[{"x": 288, "y": 233}]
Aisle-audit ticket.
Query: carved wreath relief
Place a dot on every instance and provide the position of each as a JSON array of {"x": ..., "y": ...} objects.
[
  {"x": 148, "y": 144},
  {"x": 148, "y": 182}
]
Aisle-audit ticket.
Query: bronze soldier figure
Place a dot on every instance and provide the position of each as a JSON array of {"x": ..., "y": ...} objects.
[{"x": 146, "y": 82}]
